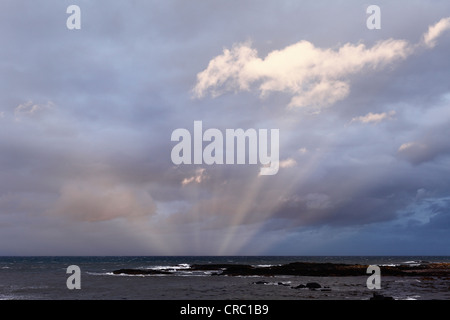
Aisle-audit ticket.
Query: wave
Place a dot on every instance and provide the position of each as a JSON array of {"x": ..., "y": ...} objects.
[
  {"x": 264, "y": 265},
  {"x": 179, "y": 270},
  {"x": 123, "y": 274},
  {"x": 181, "y": 266},
  {"x": 282, "y": 283},
  {"x": 415, "y": 262},
  {"x": 9, "y": 297},
  {"x": 415, "y": 297}
]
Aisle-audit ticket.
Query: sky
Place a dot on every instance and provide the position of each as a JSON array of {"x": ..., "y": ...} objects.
[{"x": 86, "y": 118}]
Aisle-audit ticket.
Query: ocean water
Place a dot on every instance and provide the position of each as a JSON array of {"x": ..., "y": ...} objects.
[{"x": 44, "y": 278}]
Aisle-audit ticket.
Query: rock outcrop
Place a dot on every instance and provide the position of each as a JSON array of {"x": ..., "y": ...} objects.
[{"x": 308, "y": 269}]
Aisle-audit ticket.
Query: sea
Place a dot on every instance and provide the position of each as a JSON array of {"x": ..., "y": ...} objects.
[{"x": 45, "y": 278}]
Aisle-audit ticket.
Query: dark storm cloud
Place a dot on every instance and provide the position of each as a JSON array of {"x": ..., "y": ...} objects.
[{"x": 86, "y": 118}]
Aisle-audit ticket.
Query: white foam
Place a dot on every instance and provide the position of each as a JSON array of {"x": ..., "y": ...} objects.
[
  {"x": 412, "y": 298},
  {"x": 134, "y": 275},
  {"x": 263, "y": 265},
  {"x": 413, "y": 263},
  {"x": 121, "y": 274},
  {"x": 100, "y": 273},
  {"x": 181, "y": 266}
]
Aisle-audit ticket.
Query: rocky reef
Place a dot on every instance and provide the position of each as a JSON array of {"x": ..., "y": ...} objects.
[{"x": 307, "y": 269}]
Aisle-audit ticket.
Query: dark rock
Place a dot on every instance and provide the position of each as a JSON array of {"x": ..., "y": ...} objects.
[
  {"x": 313, "y": 285},
  {"x": 227, "y": 269},
  {"x": 219, "y": 266},
  {"x": 301, "y": 286},
  {"x": 377, "y": 296},
  {"x": 283, "y": 284},
  {"x": 239, "y": 270}
]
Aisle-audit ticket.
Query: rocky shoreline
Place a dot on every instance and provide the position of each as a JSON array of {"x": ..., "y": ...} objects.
[{"x": 305, "y": 269}]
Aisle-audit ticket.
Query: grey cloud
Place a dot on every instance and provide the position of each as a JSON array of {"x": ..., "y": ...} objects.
[
  {"x": 428, "y": 147},
  {"x": 96, "y": 167}
]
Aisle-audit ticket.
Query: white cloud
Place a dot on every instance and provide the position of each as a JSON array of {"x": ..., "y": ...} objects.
[
  {"x": 31, "y": 109},
  {"x": 197, "y": 178},
  {"x": 288, "y": 163},
  {"x": 435, "y": 31},
  {"x": 410, "y": 145},
  {"x": 312, "y": 76},
  {"x": 405, "y": 146},
  {"x": 374, "y": 117}
]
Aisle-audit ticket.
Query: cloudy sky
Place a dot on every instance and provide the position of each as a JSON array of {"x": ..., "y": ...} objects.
[{"x": 86, "y": 118}]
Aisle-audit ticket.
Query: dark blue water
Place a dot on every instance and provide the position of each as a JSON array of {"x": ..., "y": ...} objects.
[{"x": 45, "y": 278}]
